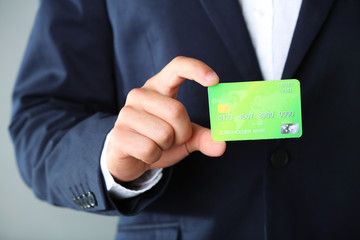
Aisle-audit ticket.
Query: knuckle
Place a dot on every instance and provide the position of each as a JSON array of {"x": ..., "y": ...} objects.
[
  {"x": 184, "y": 135},
  {"x": 124, "y": 114},
  {"x": 177, "y": 110},
  {"x": 187, "y": 133},
  {"x": 178, "y": 59},
  {"x": 150, "y": 153},
  {"x": 166, "y": 137},
  {"x": 134, "y": 94}
]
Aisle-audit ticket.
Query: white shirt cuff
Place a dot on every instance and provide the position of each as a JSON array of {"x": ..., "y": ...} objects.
[{"x": 138, "y": 186}]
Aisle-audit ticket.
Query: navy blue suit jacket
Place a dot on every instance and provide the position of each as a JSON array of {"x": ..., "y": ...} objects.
[{"x": 82, "y": 59}]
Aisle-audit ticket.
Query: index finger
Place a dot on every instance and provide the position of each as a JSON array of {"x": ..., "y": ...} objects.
[{"x": 168, "y": 80}]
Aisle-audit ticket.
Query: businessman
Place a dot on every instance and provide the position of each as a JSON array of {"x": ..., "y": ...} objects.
[{"x": 110, "y": 116}]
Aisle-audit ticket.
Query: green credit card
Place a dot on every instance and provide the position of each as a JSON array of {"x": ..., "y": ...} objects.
[{"x": 255, "y": 110}]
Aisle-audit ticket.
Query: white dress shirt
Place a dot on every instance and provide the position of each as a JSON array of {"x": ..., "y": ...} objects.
[{"x": 271, "y": 24}]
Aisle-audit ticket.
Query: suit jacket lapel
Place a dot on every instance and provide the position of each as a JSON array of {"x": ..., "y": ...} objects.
[
  {"x": 226, "y": 15},
  {"x": 228, "y": 20},
  {"x": 311, "y": 18}
]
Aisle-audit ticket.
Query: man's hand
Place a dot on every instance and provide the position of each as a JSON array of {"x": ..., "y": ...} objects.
[{"x": 153, "y": 129}]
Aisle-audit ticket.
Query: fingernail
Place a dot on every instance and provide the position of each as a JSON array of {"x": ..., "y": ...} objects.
[{"x": 211, "y": 76}]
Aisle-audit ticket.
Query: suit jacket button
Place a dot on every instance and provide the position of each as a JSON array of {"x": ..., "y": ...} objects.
[
  {"x": 91, "y": 199},
  {"x": 85, "y": 201},
  {"x": 79, "y": 201},
  {"x": 279, "y": 158}
]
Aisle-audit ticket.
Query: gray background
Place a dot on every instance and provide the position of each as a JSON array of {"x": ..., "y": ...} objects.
[{"x": 22, "y": 216}]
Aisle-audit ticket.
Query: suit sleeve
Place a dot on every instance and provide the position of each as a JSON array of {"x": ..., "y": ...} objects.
[{"x": 65, "y": 101}]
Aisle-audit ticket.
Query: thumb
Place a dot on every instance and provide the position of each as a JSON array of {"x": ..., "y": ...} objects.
[{"x": 201, "y": 141}]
